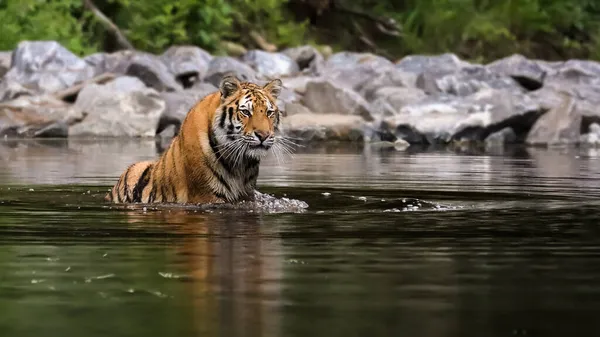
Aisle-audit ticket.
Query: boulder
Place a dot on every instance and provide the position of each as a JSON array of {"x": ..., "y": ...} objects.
[
  {"x": 466, "y": 81},
  {"x": 187, "y": 63},
  {"x": 271, "y": 65},
  {"x": 46, "y": 66},
  {"x": 327, "y": 97},
  {"x": 116, "y": 63},
  {"x": 397, "y": 97},
  {"x": 221, "y": 65},
  {"x": 324, "y": 127},
  {"x": 114, "y": 110},
  {"x": 559, "y": 126},
  {"x": 442, "y": 63},
  {"x": 5, "y": 62},
  {"x": 530, "y": 74},
  {"x": 11, "y": 90},
  {"x": 390, "y": 78},
  {"x": 441, "y": 118},
  {"x": 36, "y": 116},
  {"x": 152, "y": 71},
  {"x": 297, "y": 83},
  {"x": 592, "y": 137},
  {"x": 179, "y": 103},
  {"x": 308, "y": 58},
  {"x": 294, "y": 108},
  {"x": 351, "y": 69},
  {"x": 502, "y": 137}
]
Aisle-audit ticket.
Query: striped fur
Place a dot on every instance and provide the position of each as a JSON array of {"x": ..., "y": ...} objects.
[{"x": 216, "y": 155}]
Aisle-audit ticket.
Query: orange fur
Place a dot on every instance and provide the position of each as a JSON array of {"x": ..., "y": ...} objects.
[{"x": 212, "y": 159}]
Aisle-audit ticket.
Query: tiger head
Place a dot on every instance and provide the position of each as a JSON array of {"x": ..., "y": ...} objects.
[{"x": 248, "y": 118}]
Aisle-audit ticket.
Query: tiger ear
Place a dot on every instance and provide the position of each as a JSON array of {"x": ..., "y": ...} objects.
[
  {"x": 229, "y": 84},
  {"x": 274, "y": 87}
]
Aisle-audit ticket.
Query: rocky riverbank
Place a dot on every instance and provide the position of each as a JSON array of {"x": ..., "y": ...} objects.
[{"x": 46, "y": 91}]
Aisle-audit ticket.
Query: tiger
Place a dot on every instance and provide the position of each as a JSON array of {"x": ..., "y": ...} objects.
[{"x": 215, "y": 156}]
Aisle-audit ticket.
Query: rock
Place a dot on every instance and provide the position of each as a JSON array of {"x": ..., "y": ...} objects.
[
  {"x": 390, "y": 78},
  {"x": 398, "y": 97},
  {"x": 271, "y": 65},
  {"x": 526, "y": 72},
  {"x": 352, "y": 70},
  {"x": 294, "y": 108},
  {"x": 221, "y": 65},
  {"x": 5, "y": 62},
  {"x": 466, "y": 81},
  {"x": 592, "y": 137},
  {"x": 577, "y": 72},
  {"x": 11, "y": 90},
  {"x": 153, "y": 72},
  {"x": 297, "y": 83},
  {"x": 325, "y": 97},
  {"x": 116, "y": 63},
  {"x": 36, "y": 116},
  {"x": 179, "y": 103},
  {"x": 187, "y": 63},
  {"x": 442, "y": 118},
  {"x": 308, "y": 58},
  {"x": 442, "y": 63},
  {"x": 111, "y": 112},
  {"x": 499, "y": 138},
  {"x": 325, "y": 127},
  {"x": 46, "y": 66},
  {"x": 164, "y": 138},
  {"x": 559, "y": 126}
]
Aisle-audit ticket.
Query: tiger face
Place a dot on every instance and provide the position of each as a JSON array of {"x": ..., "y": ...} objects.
[{"x": 247, "y": 121}]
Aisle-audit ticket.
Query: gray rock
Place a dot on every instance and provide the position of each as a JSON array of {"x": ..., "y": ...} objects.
[
  {"x": 46, "y": 66},
  {"x": 352, "y": 70},
  {"x": 294, "y": 108},
  {"x": 179, "y": 103},
  {"x": 390, "y": 78},
  {"x": 442, "y": 63},
  {"x": 187, "y": 63},
  {"x": 115, "y": 113},
  {"x": 164, "y": 138},
  {"x": 325, "y": 127},
  {"x": 398, "y": 97},
  {"x": 502, "y": 137},
  {"x": 153, "y": 72},
  {"x": 36, "y": 116},
  {"x": 307, "y": 58},
  {"x": 326, "y": 97},
  {"x": 530, "y": 74},
  {"x": 116, "y": 63},
  {"x": 586, "y": 95},
  {"x": 592, "y": 137},
  {"x": 297, "y": 83},
  {"x": 11, "y": 90},
  {"x": 467, "y": 81},
  {"x": 5, "y": 62},
  {"x": 271, "y": 65},
  {"x": 221, "y": 65},
  {"x": 559, "y": 126}
]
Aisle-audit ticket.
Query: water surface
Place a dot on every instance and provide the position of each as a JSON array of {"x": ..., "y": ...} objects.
[{"x": 416, "y": 243}]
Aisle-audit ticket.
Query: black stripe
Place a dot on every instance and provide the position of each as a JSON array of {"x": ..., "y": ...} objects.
[
  {"x": 220, "y": 196},
  {"x": 223, "y": 116},
  {"x": 126, "y": 187},
  {"x": 219, "y": 177},
  {"x": 212, "y": 141},
  {"x": 141, "y": 184},
  {"x": 152, "y": 195},
  {"x": 174, "y": 192}
]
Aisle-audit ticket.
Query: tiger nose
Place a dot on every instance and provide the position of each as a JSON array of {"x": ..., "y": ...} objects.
[{"x": 261, "y": 135}]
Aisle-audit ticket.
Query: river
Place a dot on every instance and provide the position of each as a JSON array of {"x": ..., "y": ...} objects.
[{"x": 393, "y": 243}]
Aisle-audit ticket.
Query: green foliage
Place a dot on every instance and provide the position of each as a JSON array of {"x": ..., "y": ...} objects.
[
  {"x": 475, "y": 29},
  {"x": 44, "y": 20}
]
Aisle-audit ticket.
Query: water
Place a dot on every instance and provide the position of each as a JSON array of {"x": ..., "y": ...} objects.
[{"x": 419, "y": 243}]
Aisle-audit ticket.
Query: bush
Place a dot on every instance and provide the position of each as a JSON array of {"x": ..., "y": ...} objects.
[{"x": 479, "y": 30}]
